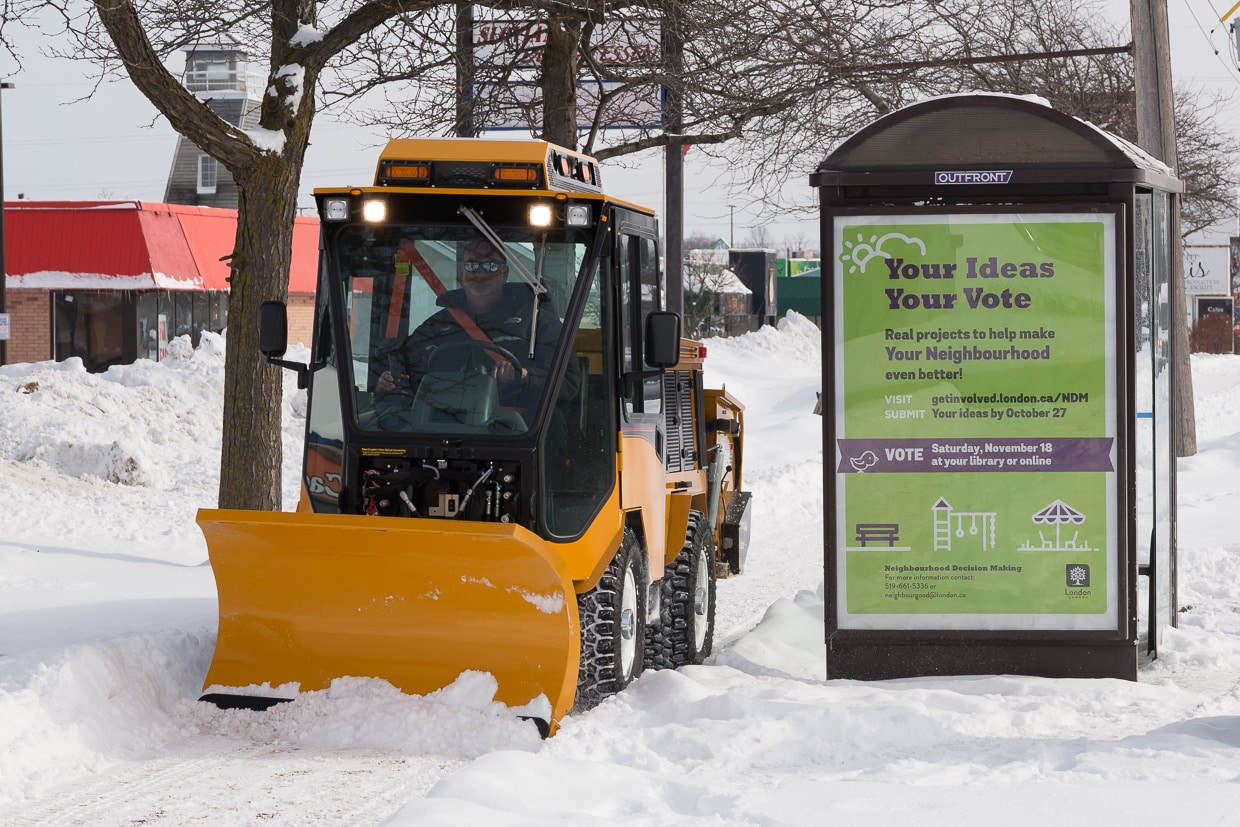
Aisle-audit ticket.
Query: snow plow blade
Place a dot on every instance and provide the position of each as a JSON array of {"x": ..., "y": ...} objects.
[{"x": 306, "y": 598}]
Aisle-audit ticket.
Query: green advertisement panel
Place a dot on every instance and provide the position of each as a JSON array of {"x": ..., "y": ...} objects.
[{"x": 975, "y": 421}]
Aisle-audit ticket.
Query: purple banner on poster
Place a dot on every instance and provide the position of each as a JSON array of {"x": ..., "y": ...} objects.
[{"x": 927, "y": 456}]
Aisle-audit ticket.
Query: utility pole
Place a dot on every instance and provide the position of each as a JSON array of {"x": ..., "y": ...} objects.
[
  {"x": 1156, "y": 135},
  {"x": 673, "y": 159},
  {"x": 4, "y": 277}
]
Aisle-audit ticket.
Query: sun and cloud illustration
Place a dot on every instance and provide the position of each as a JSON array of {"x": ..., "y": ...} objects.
[{"x": 858, "y": 254}]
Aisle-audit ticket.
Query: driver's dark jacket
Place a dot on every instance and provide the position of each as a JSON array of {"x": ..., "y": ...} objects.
[{"x": 440, "y": 343}]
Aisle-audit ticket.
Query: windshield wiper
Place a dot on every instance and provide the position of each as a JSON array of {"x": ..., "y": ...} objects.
[{"x": 534, "y": 280}]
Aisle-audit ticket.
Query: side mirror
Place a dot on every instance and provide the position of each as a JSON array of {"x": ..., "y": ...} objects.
[
  {"x": 273, "y": 339},
  {"x": 662, "y": 344},
  {"x": 272, "y": 329}
]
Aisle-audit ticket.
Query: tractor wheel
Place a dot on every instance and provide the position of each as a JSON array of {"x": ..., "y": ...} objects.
[
  {"x": 613, "y": 626},
  {"x": 686, "y": 629}
]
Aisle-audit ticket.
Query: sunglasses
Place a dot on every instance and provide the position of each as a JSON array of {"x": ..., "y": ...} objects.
[{"x": 484, "y": 266}]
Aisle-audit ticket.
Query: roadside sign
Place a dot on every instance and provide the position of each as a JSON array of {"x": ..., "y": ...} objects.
[{"x": 1206, "y": 270}]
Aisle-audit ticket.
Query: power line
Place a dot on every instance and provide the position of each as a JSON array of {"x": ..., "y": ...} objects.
[
  {"x": 968, "y": 61},
  {"x": 1231, "y": 69},
  {"x": 89, "y": 139}
]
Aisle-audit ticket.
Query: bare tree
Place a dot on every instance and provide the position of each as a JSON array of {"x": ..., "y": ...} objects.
[
  {"x": 799, "y": 243},
  {"x": 1100, "y": 89},
  {"x": 710, "y": 288},
  {"x": 759, "y": 237},
  {"x": 529, "y": 63},
  {"x": 744, "y": 61},
  {"x": 698, "y": 241},
  {"x": 304, "y": 39},
  {"x": 1207, "y": 160},
  {"x": 769, "y": 87}
]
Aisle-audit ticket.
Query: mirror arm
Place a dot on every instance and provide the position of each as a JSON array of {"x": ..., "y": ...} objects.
[{"x": 303, "y": 371}]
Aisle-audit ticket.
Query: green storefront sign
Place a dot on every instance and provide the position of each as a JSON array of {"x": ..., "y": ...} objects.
[{"x": 975, "y": 382}]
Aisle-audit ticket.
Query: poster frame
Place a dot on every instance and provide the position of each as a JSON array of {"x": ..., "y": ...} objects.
[{"x": 868, "y": 653}]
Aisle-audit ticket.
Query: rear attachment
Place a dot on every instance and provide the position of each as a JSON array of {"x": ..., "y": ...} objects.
[{"x": 307, "y": 598}]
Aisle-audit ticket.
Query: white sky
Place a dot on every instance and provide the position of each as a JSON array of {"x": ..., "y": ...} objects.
[{"x": 108, "y": 148}]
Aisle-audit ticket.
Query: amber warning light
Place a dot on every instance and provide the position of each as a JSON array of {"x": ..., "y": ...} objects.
[
  {"x": 515, "y": 175},
  {"x": 406, "y": 172}
]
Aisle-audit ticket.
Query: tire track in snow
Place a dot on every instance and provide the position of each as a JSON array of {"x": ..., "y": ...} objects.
[{"x": 256, "y": 784}]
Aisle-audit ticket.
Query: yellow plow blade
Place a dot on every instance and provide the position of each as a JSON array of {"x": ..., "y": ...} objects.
[{"x": 306, "y": 598}]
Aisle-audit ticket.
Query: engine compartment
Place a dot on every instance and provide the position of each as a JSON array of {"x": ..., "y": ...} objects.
[{"x": 447, "y": 489}]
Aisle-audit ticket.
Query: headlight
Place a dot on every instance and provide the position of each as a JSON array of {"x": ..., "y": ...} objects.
[
  {"x": 577, "y": 215},
  {"x": 374, "y": 211},
  {"x": 336, "y": 209},
  {"x": 540, "y": 215}
]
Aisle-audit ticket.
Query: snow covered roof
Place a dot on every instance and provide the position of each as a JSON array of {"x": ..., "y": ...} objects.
[
  {"x": 133, "y": 245},
  {"x": 722, "y": 281}
]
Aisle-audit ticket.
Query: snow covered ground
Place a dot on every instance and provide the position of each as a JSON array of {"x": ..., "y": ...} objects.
[{"x": 107, "y": 624}]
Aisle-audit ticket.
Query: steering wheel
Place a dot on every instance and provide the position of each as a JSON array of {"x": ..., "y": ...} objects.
[
  {"x": 476, "y": 351},
  {"x": 479, "y": 357}
]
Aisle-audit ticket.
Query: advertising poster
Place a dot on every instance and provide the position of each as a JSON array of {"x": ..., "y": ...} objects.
[
  {"x": 974, "y": 421},
  {"x": 800, "y": 266},
  {"x": 1206, "y": 270},
  {"x": 1233, "y": 270}
]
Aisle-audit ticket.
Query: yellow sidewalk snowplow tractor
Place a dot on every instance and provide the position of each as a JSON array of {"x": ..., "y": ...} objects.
[{"x": 512, "y": 464}]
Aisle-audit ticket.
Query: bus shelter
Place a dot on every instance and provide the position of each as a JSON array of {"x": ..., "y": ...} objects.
[{"x": 1000, "y": 482}]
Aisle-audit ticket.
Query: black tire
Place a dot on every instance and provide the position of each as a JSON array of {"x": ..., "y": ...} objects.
[
  {"x": 686, "y": 630},
  {"x": 613, "y": 626}
]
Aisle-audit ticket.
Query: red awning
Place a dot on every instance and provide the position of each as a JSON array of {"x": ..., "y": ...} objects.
[{"x": 133, "y": 245}]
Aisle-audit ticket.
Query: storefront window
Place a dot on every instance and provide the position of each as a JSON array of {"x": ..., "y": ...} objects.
[
  {"x": 202, "y": 315},
  {"x": 219, "y": 311},
  {"x": 183, "y": 318},
  {"x": 90, "y": 325},
  {"x": 154, "y": 324},
  {"x": 112, "y": 327},
  {"x": 148, "y": 327}
]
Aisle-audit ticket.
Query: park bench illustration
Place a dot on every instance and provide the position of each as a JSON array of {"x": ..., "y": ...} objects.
[{"x": 887, "y": 533}]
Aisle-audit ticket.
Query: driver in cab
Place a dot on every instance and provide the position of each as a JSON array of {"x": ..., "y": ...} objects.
[{"x": 484, "y": 310}]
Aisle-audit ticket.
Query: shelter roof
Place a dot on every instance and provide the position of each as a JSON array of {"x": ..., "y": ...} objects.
[{"x": 989, "y": 132}]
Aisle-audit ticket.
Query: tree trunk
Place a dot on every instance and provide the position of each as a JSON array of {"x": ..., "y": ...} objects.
[
  {"x": 251, "y": 453},
  {"x": 464, "y": 127},
  {"x": 559, "y": 81}
]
